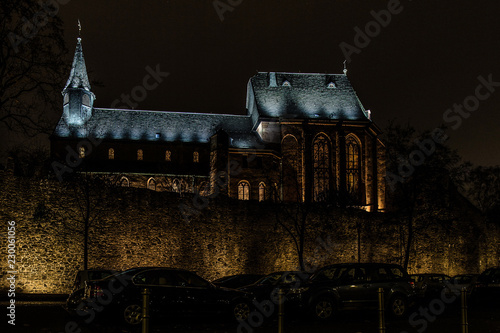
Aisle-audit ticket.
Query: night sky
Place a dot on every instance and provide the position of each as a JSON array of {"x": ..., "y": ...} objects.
[{"x": 426, "y": 59}]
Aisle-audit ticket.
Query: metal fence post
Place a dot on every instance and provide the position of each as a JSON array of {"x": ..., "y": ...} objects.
[
  {"x": 465, "y": 324},
  {"x": 145, "y": 310},
  {"x": 381, "y": 307},
  {"x": 281, "y": 311}
]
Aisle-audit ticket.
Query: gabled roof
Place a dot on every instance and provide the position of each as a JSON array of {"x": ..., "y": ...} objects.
[
  {"x": 308, "y": 96},
  {"x": 78, "y": 76},
  {"x": 126, "y": 124}
]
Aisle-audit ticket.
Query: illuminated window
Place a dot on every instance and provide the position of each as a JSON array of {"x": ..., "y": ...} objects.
[
  {"x": 321, "y": 158},
  {"x": 86, "y": 100},
  {"x": 331, "y": 85},
  {"x": 124, "y": 182},
  {"x": 286, "y": 84},
  {"x": 352, "y": 165},
  {"x": 82, "y": 152},
  {"x": 168, "y": 156},
  {"x": 151, "y": 184},
  {"x": 262, "y": 191},
  {"x": 243, "y": 190},
  {"x": 140, "y": 155},
  {"x": 111, "y": 154},
  {"x": 196, "y": 157}
]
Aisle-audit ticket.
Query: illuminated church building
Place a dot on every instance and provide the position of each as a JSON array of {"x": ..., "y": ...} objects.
[{"x": 305, "y": 137}]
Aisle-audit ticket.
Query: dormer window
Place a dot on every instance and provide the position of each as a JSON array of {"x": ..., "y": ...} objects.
[
  {"x": 286, "y": 84},
  {"x": 331, "y": 85},
  {"x": 158, "y": 135}
]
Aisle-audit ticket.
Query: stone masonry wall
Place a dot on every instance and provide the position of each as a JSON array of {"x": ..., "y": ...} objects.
[{"x": 139, "y": 227}]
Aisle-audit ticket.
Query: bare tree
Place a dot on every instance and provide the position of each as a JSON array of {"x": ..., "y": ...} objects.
[
  {"x": 483, "y": 189},
  {"x": 32, "y": 67},
  {"x": 422, "y": 173}
]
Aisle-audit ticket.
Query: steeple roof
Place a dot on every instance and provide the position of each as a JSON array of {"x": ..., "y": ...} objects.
[{"x": 78, "y": 77}]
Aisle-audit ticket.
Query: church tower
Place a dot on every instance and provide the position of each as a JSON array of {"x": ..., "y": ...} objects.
[{"x": 78, "y": 98}]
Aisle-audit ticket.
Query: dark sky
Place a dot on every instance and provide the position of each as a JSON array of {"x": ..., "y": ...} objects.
[{"x": 426, "y": 59}]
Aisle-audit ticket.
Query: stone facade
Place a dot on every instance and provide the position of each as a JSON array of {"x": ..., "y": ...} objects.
[{"x": 139, "y": 227}]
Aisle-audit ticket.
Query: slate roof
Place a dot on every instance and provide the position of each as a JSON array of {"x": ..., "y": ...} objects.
[
  {"x": 78, "y": 76},
  {"x": 307, "y": 96},
  {"x": 123, "y": 124}
]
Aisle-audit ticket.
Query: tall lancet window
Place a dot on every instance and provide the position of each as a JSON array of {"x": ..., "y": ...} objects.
[
  {"x": 353, "y": 166},
  {"x": 321, "y": 168}
]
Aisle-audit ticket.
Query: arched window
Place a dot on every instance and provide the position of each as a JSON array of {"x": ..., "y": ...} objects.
[
  {"x": 243, "y": 190},
  {"x": 262, "y": 191},
  {"x": 140, "y": 155},
  {"x": 196, "y": 157},
  {"x": 286, "y": 84},
  {"x": 353, "y": 165},
  {"x": 81, "y": 152},
  {"x": 151, "y": 184},
  {"x": 321, "y": 159},
  {"x": 168, "y": 156},
  {"x": 176, "y": 186},
  {"x": 86, "y": 100},
  {"x": 111, "y": 154},
  {"x": 124, "y": 182}
]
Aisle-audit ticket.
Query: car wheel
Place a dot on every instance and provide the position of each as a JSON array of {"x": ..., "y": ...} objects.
[
  {"x": 398, "y": 307},
  {"x": 132, "y": 314},
  {"x": 323, "y": 308},
  {"x": 241, "y": 310}
]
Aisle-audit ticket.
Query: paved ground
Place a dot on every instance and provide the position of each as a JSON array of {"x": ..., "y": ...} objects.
[{"x": 50, "y": 317}]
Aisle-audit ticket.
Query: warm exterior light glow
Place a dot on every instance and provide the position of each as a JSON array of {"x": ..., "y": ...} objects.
[
  {"x": 140, "y": 155},
  {"x": 111, "y": 154}
]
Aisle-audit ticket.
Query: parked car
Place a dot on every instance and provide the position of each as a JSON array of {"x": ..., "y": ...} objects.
[
  {"x": 268, "y": 286},
  {"x": 487, "y": 287},
  {"x": 173, "y": 291},
  {"x": 237, "y": 281},
  {"x": 431, "y": 285},
  {"x": 82, "y": 277},
  {"x": 354, "y": 286},
  {"x": 466, "y": 281}
]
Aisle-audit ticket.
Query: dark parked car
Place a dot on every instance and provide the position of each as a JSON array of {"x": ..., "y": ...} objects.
[
  {"x": 268, "y": 286},
  {"x": 487, "y": 287},
  {"x": 466, "y": 281},
  {"x": 173, "y": 292},
  {"x": 348, "y": 286},
  {"x": 431, "y": 285},
  {"x": 82, "y": 277},
  {"x": 237, "y": 281}
]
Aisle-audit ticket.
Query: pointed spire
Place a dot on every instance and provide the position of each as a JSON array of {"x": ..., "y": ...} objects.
[
  {"x": 345, "y": 67},
  {"x": 78, "y": 77}
]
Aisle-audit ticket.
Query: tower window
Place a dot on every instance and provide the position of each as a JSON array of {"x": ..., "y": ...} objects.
[
  {"x": 86, "y": 100},
  {"x": 140, "y": 155},
  {"x": 168, "y": 155},
  {"x": 111, "y": 154},
  {"x": 124, "y": 182},
  {"x": 243, "y": 190},
  {"x": 196, "y": 157}
]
